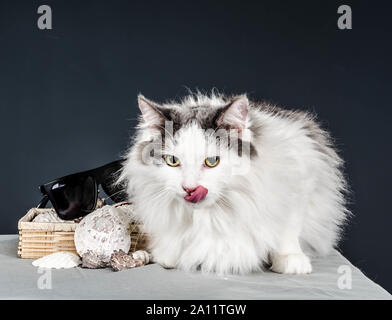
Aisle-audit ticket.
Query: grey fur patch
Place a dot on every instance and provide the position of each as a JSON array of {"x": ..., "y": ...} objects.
[{"x": 205, "y": 116}]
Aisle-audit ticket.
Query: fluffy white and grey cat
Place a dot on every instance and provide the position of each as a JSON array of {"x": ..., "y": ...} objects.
[{"x": 270, "y": 192}]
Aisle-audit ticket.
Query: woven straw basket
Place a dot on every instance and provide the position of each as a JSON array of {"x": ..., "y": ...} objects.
[{"x": 38, "y": 239}]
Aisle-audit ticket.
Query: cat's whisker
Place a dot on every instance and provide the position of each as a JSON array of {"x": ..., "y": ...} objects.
[
  {"x": 113, "y": 194},
  {"x": 161, "y": 194}
]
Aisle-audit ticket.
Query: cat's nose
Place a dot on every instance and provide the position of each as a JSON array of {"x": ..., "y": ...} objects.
[{"x": 189, "y": 190}]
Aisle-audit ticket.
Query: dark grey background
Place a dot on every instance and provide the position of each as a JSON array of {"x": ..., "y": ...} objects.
[{"x": 68, "y": 95}]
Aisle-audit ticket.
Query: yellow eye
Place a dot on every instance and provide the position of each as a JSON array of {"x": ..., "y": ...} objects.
[
  {"x": 211, "y": 161},
  {"x": 172, "y": 161}
]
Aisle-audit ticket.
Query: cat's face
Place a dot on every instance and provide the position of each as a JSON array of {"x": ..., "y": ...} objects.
[
  {"x": 197, "y": 152},
  {"x": 193, "y": 165}
]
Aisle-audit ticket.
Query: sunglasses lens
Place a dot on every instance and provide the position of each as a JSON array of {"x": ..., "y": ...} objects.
[{"x": 74, "y": 197}]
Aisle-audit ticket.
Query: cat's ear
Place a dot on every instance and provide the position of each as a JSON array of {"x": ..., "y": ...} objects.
[
  {"x": 234, "y": 115},
  {"x": 151, "y": 112}
]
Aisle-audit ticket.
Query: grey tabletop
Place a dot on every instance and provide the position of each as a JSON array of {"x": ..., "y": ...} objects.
[{"x": 333, "y": 277}]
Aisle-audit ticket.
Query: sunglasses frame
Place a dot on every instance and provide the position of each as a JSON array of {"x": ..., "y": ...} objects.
[{"x": 95, "y": 174}]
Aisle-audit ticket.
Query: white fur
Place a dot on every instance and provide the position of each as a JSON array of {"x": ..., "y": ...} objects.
[{"x": 288, "y": 205}]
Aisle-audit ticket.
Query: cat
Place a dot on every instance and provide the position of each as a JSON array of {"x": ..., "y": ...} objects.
[{"x": 270, "y": 193}]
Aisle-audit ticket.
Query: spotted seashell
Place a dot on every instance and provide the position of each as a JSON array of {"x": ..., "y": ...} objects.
[
  {"x": 103, "y": 231},
  {"x": 121, "y": 260},
  {"x": 58, "y": 260}
]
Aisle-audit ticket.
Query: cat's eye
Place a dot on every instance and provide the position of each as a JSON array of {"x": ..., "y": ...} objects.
[
  {"x": 211, "y": 161},
  {"x": 172, "y": 160}
]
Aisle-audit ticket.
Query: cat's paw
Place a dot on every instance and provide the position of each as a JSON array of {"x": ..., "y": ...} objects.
[
  {"x": 291, "y": 263},
  {"x": 165, "y": 263},
  {"x": 167, "y": 266}
]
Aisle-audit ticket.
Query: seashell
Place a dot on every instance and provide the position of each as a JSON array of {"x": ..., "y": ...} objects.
[
  {"x": 142, "y": 255},
  {"x": 48, "y": 216},
  {"x": 121, "y": 260},
  {"x": 58, "y": 260},
  {"x": 103, "y": 231},
  {"x": 91, "y": 260},
  {"x": 100, "y": 203}
]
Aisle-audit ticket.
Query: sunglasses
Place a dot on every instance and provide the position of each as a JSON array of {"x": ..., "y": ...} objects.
[{"x": 76, "y": 195}]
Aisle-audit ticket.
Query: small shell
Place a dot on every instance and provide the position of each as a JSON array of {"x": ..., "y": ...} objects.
[
  {"x": 58, "y": 260},
  {"x": 141, "y": 255},
  {"x": 121, "y": 260},
  {"x": 48, "y": 216},
  {"x": 93, "y": 261}
]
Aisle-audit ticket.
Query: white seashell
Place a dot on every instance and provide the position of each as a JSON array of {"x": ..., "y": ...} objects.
[
  {"x": 141, "y": 255},
  {"x": 103, "y": 231},
  {"x": 48, "y": 216},
  {"x": 58, "y": 260}
]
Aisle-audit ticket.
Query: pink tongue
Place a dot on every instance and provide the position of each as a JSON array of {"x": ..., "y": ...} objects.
[{"x": 197, "y": 195}]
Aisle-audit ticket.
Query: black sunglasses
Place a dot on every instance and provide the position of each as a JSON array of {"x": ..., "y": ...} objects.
[{"x": 76, "y": 195}]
